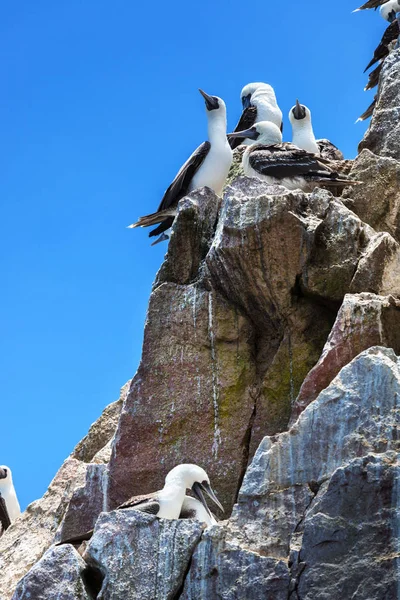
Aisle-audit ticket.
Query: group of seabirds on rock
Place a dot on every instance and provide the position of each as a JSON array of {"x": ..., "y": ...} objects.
[
  {"x": 390, "y": 11},
  {"x": 302, "y": 164}
]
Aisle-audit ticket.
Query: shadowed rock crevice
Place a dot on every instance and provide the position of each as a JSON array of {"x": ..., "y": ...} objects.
[{"x": 93, "y": 581}]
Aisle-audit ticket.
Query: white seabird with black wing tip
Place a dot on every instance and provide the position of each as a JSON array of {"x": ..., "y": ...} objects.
[
  {"x": 9, "y": 505},
  {"x": 208, "y": 166},
  {"x": 259, "y": 104},
  {"x": 302, "y": 130},
  {"x": 285, "y": 164},
  {"x": 169, "y": 502}
]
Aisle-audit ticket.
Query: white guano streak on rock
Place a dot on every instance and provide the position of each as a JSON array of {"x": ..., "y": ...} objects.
[{"x": 217, "y": 432}]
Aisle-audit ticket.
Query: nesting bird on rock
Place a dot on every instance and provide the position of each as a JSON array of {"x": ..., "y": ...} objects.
[
  {"x": 207, "y": 166},
  {"x": 259, "y": 104},
  {"x": 9, "y": 505},
  {"x": 285, "y": 164},
  {"x": 171, "y": 502}
]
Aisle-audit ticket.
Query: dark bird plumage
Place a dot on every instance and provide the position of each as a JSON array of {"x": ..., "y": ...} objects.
[
  {"x": 247, "y": 120},
  {"x": 369, "y": 112},
  {"x": 286, "y": 161},
  {"x": 4, "y": 516},
  {"x": 166, "y": 211},
  {"x": 391, "y": 34},
  {"x": 372, "y": 4},
  {"x": 373, "y": 78}
]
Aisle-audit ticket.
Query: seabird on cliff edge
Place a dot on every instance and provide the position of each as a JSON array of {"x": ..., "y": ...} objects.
[
  {"x": 302, "y": 130},
  {"x": 169, "y": 502},
  {"x": 285, "y": 164},
  {"x": 259, "y": 104},
  {"x": 389, "y": 10},
  {"x": 9, "y": 505},
  {"x": 391, "y": 34},
  {"x": 207, "y": 166}
]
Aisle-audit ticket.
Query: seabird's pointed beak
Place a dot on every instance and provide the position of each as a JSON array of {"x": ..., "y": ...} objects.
[
  {"x": 246, "y": 101},
  {"x": 251, "y": 134},
  {"x": 211, "y": 101},
  {"x": 210, "y": 492},
  {"x": 299, "y": 112},
  {"x": 198, "y": 492}
]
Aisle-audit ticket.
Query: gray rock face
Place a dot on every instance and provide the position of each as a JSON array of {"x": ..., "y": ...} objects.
[
  {"x": 350, "y": 539},
  {"x": 383, "y": 135},
  {"x": 57, "y": 576},
  {"x": 220, "y": 569},
  {"x": 356, "y": 415},
  {"x": 141, "y": 556},
  {"x": 377, "y": 200}
]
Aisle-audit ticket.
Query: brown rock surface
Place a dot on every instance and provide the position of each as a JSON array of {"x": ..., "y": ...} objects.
[
  {"x": 364, "y": 320},
  {"x": 32, "y": 533},
  {"x": 377, "y": 200}
]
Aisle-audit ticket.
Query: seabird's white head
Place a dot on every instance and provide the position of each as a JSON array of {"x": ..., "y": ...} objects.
[
  {"x": 251, "y": 88},
  {"x": 302, "y": 131},
  {"x": 180, "y": 479},
  {"x": 264, "y": 132},
  {"x": 216, "y": 115},
  {"x": 389, "y": 9},
  {"x": 8, "y": 492}
]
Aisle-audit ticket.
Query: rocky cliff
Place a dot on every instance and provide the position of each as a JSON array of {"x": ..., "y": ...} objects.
[{"x": 269, "y": 358}]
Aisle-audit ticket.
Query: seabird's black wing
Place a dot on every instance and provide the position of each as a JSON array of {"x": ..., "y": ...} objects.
[
  {"x": 4, "y": 516},
  {"x": 369, "y": 112},
  {"x": 391, "y": 34},
  {"x": 372, "y": 4},
  {"x": 247, "y": 120},
  {"x": 373, "y": 78},
  {"x": 179, "y": 187},
  {"x": 282, "y": 161},
  {"x": 148, "y": 503}
]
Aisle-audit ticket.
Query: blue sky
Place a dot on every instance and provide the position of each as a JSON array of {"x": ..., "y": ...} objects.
[{"x": 93, "y": 93}]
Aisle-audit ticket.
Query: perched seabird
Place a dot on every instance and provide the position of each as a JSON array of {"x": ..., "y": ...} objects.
[
  {"x": 167, "y": 503},
  {"x": 391, "y": 34},
  {"x": 171, "y": 501},
  {"x": 207, "y": 166},
  {"x": 285, "y": 164},
  {"x": 389, "y": 10},
  {"x": 369, "y": 112},
  {"x": 9, "y": 505},
  {"x": 302, "y": 129},
  {"x": 259, "y": 104}
]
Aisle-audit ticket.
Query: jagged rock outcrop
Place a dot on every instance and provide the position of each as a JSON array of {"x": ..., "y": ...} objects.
[
  {"x": 318, "y": 512},
  {"x": 383, "y": 134},
  {"x": 58, "y": 575},
  {"x": 269, "y": 358},
  {"x": 153, "y": 554}
]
